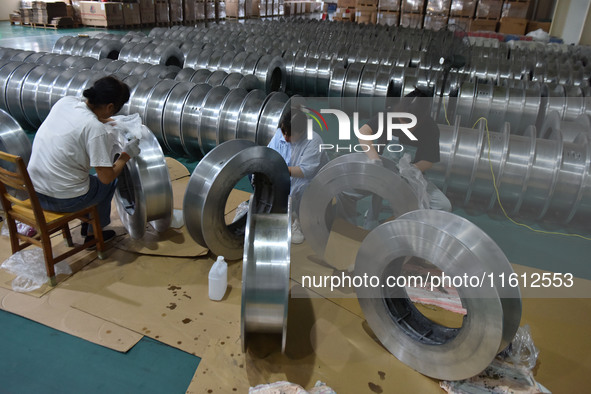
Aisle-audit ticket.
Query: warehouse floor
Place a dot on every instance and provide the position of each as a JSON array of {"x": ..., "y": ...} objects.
[{"x": 559, "y": 326}]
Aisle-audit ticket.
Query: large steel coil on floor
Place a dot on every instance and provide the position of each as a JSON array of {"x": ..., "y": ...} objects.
[
  {"x": 190, "y": 118},
  {"x": 171, "y": 119},
  {"x": 265, "y": 274},
  {"x": 544, "y": 180},
  {"x": 12, "y": 90},
  {"x": 498, "y": 104},
  {"x": 569, "y": 130},
  {"x": 154, "y": 111},
  {"x": 84, "y": 46},
  {"x": 276, "y": 107},
  {"x": 457, "y": 248},
  {"x": 211, "y": 183},
  {"x": 144, "y": 189},
  {"x": 346, "y": 174},
  {"x": 13, "y": 139},
  {"x": 227, "y": 129}
]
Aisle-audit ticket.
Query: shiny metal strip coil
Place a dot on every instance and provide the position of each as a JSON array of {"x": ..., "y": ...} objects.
[
  {"x": 265, "y": 274},
  {"x": 276, "y": 107},
  {"x": 229, "y": 115},
  {"x": 210, "y": 116},
  {"x": 347, "y": 173},
  {"x": 211, "y": 183},
  {"x": 13, "y": 139},
  {"x": 144, "y": 189},
  {"x": 171, "y": 121},
  {"x": 250, "y": 111},
  {"x": 456, "y": 247},
  {"x": 191, "y": 120}
]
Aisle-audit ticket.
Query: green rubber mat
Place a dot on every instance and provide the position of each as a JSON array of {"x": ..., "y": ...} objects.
[{"x": 38, "y": 359}]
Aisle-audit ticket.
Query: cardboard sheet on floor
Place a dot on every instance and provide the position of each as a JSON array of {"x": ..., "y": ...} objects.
[
  {"x": 325, "y": 342},
  {"x": 167, "y": 299},
  {"x": 54, "y": 309},
  {"x": 75, "y": 262}
]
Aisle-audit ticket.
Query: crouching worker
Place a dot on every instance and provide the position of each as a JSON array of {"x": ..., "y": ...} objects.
[
  {"x": 72, "y": 140},
  {"x": 304, "y": 160}
]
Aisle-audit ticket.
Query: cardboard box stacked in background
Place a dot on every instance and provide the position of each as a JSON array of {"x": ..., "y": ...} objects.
[
  {"x": 389, "y": 12},
  {"x": 437, "y": 14},
  {"x": 412, "y": 13},
  {"x": 147, "y": 12},
  {"x": 461, "y": 13},
  {"x": 488, "y": 13},
  {"x": 345, "y": 11},
  {"x": 131, "y": 14},
  {"x": 366, "y": 11},
  {"x": 95, "y": 13},
  {"x": 48, "y": 13},
  {"x": 514, "y": 17}
]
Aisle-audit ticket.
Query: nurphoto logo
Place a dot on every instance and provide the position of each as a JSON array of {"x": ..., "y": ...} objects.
[{"x": 387, "y": 122}]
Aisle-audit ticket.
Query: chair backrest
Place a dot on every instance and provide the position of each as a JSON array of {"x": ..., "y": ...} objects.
[{"x": 16, "y": 186}]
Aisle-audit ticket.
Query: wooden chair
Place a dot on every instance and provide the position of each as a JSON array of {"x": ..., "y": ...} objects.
[{"x": 21, "y": 203}]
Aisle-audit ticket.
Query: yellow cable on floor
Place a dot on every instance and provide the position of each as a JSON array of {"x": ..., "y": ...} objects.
[
  {"x": 497, "y": 189},
  {"x": 499, "y": 197}
]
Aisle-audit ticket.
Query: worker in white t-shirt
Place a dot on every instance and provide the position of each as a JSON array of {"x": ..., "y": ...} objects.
[{"x": 72, "y": 140}]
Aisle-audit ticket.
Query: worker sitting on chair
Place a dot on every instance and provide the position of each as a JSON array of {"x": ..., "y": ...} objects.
[
  {"x": 72, "y": 140},
  {"x": 304, "y": 159}
]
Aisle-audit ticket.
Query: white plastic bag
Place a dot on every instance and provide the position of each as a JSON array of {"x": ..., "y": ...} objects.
[
  {"x": 539, "y": 35},
  {"x": 29, "y": 267},
  {"x": 178, "y": 220},
  {"x": 21, "y": 228},
  {"x": 522, "y": 351},
  {"x": 128, "y": 125},
  {"x": 415, "y": 179}
]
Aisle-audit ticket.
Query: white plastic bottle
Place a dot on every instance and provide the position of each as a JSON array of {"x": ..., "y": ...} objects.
[{"x": 218, "y": 279}]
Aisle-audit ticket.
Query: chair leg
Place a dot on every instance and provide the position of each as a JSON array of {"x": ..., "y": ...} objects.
[
  {"x": 48, "y": 253},
  {"x": 14, "y": 244},
  {"x": 98, "y": 233},
  {"x": 67, "y": 235}
]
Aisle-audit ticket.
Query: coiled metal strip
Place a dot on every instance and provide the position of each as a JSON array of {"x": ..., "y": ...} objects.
[
  {"x": 539, "y": 179},
  {"x": 14, "y": 85},
  {"x": 211, "y": 184},
  {"x": 229, "y": 115},
  {"x": 154, "y": 112},
  {"x": 456, "y": 247},
  {"x": 144, "y": 190},
  {"x": 171, "y": 121},
  {"x": 276, "y": 107},
  {"x": 250, "y": 111},
  {"x": 265, "y": 274},
  {"x": 210, "y": 116},
  {"x": 191, "y": 119},
  {"x": 347, "y": 173},
  {"x": 13, "y": 139}
]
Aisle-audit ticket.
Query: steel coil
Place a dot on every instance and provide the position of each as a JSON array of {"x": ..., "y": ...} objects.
[
  {"x": 191, "y": 118},
  {"x": 345, "y": 174},
  {"x": 457, "y": 248},
  {"x": 210, "y": 117},
  {"x": 229, "y": 116},
  {"x": 144, "y": 189},
  {"x": 211, "y": 184},
  {"x": 13, "y": 139},
  {"x": 537, "y": 179},
  {"x": 265, "y": 274},
  {"x": 250, "y": 111}
]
